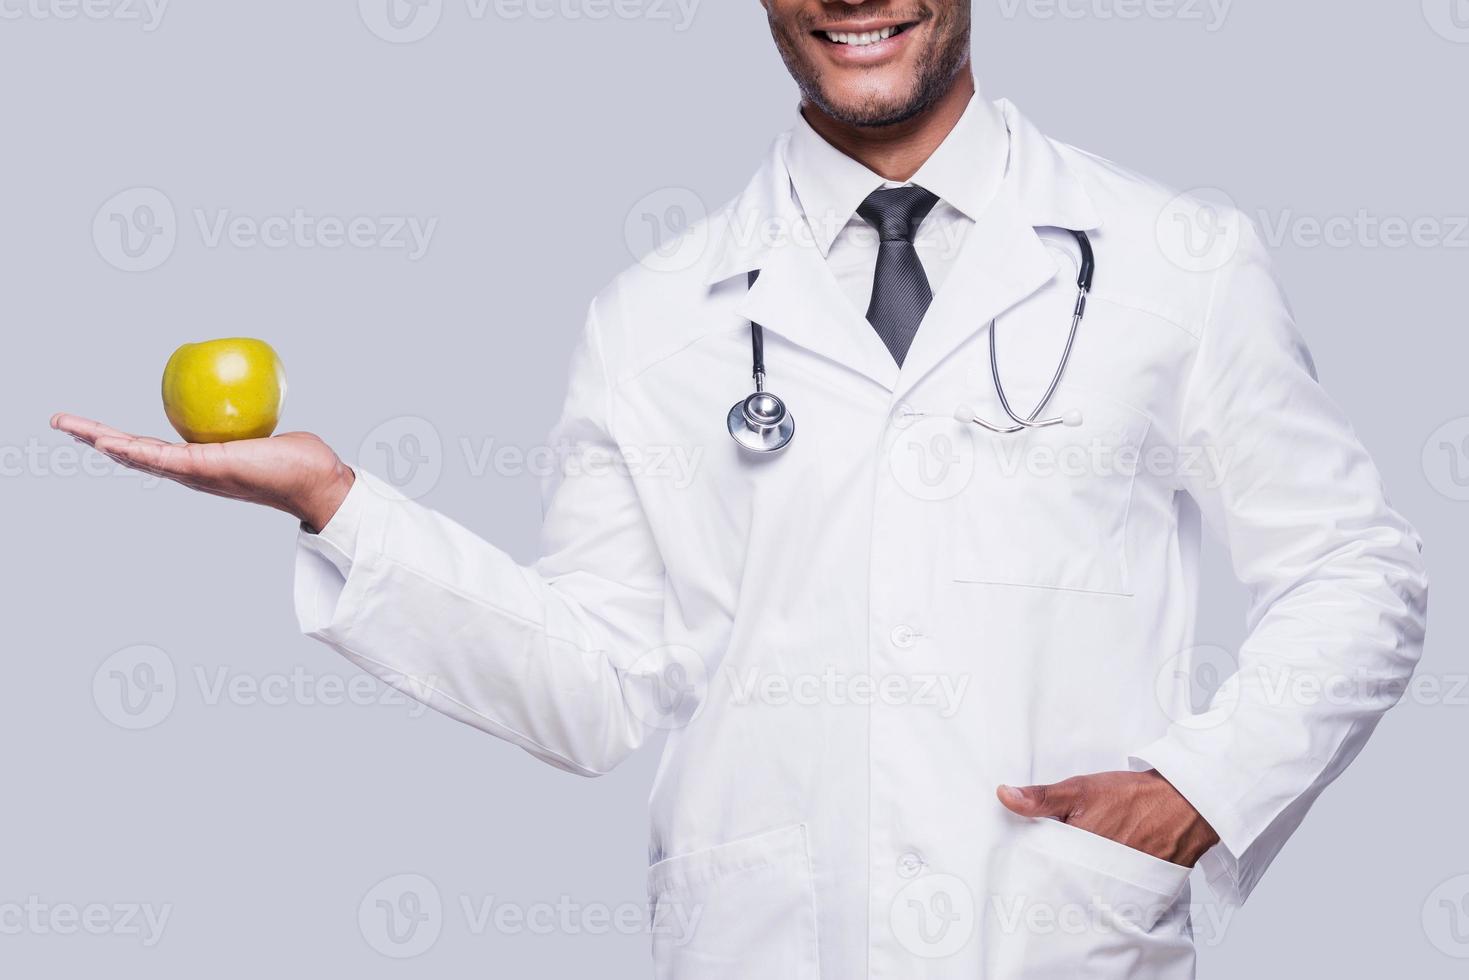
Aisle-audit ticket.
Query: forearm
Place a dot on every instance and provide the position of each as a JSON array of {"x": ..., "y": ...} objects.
[{"x": 454, "y": 622}]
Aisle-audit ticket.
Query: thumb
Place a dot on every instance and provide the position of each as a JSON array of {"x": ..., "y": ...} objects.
[{"x": 1037, "y": 801}]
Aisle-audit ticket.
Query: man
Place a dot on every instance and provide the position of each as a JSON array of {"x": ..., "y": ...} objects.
[{"x": 853, "y": 644}]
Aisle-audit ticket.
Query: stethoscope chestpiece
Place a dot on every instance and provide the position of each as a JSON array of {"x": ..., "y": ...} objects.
[{"x": 761, "y": 423}]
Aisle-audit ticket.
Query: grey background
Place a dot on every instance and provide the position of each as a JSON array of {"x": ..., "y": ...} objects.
[{"x": 532, "y": 140}]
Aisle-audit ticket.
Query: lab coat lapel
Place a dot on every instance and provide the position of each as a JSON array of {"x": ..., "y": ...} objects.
[
  {"x": 798, "y": 298},
  {"x": 1001, "y": 263}
]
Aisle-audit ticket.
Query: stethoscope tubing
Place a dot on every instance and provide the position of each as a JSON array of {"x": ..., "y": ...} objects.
[{"x": 771, "y": 428}]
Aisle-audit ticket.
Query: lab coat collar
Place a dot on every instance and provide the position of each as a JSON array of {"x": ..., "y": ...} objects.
[
  {"x": 964, "y": 171},
  {"x": 766, "y": 216},
  {"x": 1049, "y": 192},
  {"x": 1002, "y": 261}
]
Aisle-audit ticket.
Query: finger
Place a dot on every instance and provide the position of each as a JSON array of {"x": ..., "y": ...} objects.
[
  {"x": 86, "y": 430},
  {"x": 174, "y": 461},
  {"x": 1056, "y": 800},
  {"x": 89, "y": 431}
]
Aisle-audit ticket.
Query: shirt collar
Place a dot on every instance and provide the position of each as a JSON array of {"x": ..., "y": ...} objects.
[{"x": 964, "y": 171}]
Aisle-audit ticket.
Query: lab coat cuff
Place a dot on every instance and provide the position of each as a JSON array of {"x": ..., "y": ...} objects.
[
  {"x": 1225, "y": 866},
  {"x": 325, "y": 561}
]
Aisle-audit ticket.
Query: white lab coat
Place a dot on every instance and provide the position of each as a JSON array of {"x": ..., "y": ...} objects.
[{"x": 849, "y": 645}]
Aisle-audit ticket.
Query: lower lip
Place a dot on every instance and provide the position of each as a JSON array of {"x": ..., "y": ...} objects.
[{"x": 865, "y": 54}]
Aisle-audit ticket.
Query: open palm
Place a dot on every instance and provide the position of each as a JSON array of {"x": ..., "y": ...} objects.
[{"x": 295, "y": 472}]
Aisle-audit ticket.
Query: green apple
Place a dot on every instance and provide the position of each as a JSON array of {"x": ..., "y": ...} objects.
[{"x": 223, "y": 390}]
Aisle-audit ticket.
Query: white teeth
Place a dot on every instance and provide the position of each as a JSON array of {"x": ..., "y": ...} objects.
[{"x": 863, "y": 39}]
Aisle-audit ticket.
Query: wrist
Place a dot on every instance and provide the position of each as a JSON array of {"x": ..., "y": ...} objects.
[
  {"x": 1194, "y": 833},
  {"x": 321, "y": 505}
]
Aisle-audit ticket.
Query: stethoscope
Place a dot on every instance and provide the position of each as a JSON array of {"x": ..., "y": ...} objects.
[{"x": 762, "y": 423}]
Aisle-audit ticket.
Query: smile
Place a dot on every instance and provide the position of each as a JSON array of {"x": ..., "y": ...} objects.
[{"x": 862, "y": 39}]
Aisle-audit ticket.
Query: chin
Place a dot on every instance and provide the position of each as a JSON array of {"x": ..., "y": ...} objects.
[{"x": 878, "y": 99}]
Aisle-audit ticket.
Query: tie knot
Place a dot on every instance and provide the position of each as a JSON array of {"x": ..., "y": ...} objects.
[{"x": 896, "y": 212}]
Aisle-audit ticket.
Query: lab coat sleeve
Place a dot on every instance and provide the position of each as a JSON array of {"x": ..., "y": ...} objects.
[
  {"x": 546, "y": 656},
  {"x": 1335, "y": 579}
]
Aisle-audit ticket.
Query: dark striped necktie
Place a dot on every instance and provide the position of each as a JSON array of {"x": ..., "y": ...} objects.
[{"x": 900, "y": 290}]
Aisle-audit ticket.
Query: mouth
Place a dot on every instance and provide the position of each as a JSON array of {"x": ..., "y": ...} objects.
[
  {"x": 863, "y": 38},
  {"x": 864, "y": 42}
]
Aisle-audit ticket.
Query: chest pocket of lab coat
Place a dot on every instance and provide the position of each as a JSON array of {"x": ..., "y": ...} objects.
[{"x": 1049, "y": 508}]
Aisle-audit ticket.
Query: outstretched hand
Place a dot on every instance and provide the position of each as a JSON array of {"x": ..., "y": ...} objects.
[
  {"x": 295, "y": 472},
  {"x": 1140, "y": 810}
]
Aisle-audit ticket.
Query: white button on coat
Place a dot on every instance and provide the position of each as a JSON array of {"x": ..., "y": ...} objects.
[{"x": 1057, "y": 574}]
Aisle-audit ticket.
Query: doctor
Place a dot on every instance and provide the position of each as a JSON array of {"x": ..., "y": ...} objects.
[{"x": 927, "y": 688}]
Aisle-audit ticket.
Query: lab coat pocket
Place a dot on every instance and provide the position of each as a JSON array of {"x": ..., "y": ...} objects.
[
  {"x": 739, "y": 910},
  {"x": 1062, "y": 897},
  {"x": 1049, "y": 508}
]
